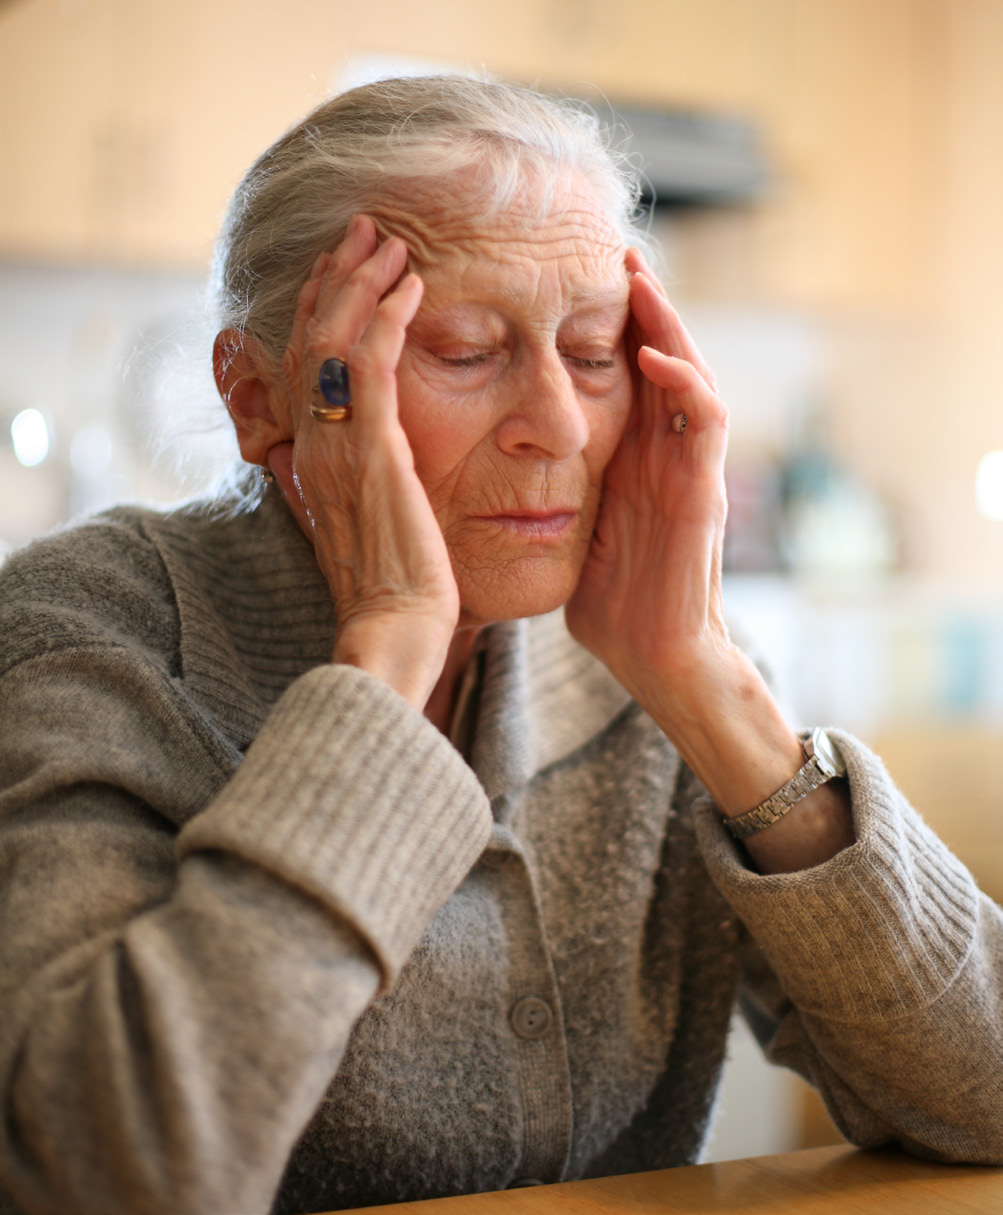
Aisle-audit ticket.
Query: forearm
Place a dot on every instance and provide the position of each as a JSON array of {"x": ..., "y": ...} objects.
[
  {"x": 220, "y": 972},
  {"x": 929, "y": 1080},
  {"x": 878, "y": 976},
  {"x": 395, "y": 657},
  {"x": 174, "y": 1067},
  {"x": 730, "y": 731}
]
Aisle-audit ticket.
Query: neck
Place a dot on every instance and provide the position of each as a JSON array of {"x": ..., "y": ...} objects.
[{"x": 442, "y": 702}]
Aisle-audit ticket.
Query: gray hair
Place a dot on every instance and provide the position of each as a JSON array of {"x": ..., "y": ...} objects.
[{"x": 359, "y": 147}]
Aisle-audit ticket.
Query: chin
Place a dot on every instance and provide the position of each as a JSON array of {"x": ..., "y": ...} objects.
[{"x": 510, "y": 594}]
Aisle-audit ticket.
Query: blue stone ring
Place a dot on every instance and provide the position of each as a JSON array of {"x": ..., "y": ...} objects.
[{"x": 332, "y": 385}]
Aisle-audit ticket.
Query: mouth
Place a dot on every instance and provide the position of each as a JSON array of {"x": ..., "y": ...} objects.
[{"x": 537, "y": 525}]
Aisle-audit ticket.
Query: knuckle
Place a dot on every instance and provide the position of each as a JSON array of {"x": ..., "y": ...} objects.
[
  {"x": 366, "y": 278},
  {"x": 718, "y": 413},
  {"x": 339, "y": 264},
  {"x": 319, "y": 343},
  {"x": 305, "y": 297},
  {"x": 365, "y": 363},
  {"x": 368, "y": 365},
  {"x": 692, "y": 383},
  {"x": 316, "y": 350}
]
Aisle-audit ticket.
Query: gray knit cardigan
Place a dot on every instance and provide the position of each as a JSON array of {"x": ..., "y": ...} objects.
[{"x": 268, "y": 942}]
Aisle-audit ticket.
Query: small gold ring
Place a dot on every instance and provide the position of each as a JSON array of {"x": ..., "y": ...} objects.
[{"x": 330, "y": 413}]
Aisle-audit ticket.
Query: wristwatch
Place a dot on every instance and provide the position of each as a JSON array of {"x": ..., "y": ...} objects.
[{"x": 822, "y": 763}]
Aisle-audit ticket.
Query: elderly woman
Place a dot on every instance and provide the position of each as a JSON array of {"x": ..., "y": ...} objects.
[{"x": 339, "y": 866}]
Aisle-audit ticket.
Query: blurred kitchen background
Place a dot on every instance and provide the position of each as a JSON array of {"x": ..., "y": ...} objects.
[{"x": 829, "y": 179}]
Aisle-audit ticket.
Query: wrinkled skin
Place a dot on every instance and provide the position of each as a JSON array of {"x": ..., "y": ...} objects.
[
  {"x": 514, "y": 390},
  {"x": 511, "y": 449}
]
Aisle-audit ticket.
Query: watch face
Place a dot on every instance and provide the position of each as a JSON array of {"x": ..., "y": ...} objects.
[{"x": 829, "y": 759}]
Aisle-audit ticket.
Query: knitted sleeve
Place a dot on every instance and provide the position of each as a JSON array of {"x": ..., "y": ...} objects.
[
  {"x": 878, "y": 976},
  {"x": 174, "y": 1003}
]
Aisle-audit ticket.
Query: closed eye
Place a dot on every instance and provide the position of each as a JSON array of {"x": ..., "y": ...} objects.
[
  {"x": 592, "y": 364},
  {"x": 466, "y": 360}
]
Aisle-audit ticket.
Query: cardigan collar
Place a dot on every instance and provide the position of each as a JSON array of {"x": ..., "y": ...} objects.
[
  {"x": 255, "y": 614},
  {"x": 523, "y": 723}
]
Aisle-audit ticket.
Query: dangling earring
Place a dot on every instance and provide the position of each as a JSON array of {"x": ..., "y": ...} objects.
[{"x": 267, "y": 475}]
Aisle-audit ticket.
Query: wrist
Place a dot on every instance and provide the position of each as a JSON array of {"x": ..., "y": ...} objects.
[
  {"x": 727, "y": 727},
  {"x": 734, "y": 737},
  {"x": 406, "y": 654}
]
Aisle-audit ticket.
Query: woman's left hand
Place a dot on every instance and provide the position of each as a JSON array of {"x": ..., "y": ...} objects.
[{"x": 648, "y": 603}]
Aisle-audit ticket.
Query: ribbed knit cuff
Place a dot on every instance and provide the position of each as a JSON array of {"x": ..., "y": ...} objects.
[
  {"x": 879, "y": 930},
  {"x": 349, "y": 793}
]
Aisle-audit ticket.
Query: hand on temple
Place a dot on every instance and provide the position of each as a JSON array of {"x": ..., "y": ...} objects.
[{"x": 353, "y": 483}]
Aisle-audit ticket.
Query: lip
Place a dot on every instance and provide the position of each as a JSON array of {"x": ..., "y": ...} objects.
[{"x": 538, "y": 525}]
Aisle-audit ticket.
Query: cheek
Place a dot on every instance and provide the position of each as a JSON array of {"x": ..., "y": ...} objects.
[
  {"x": 442, "y": 433},
  {"x": 607, "y": 425}
]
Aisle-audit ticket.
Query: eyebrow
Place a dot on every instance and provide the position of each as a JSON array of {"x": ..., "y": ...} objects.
[
  {"x": 605, "y": 298},
  {"x": 610, "y": 298},
  {"x": 602, "y": 304}
]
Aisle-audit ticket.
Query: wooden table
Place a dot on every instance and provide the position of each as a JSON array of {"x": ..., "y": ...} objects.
[{"x": 819, "y": 1181}]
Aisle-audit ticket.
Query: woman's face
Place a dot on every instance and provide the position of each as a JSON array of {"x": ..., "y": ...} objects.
[{"x": 514, "y": 390}]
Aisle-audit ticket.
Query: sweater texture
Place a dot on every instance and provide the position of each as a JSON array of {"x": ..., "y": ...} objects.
[{"x": 269, "y": 942}]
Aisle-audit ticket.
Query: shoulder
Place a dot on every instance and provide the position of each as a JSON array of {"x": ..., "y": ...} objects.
[{"x": 99, "y": 582}]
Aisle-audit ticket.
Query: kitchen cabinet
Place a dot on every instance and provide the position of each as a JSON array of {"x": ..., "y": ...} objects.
[{"x": 124, "y": 125}]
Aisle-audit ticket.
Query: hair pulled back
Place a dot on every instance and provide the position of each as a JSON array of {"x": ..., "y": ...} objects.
[{"x": 297, "y": 198}]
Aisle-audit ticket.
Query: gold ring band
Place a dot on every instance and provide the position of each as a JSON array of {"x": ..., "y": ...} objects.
[{"x": 330, "y": 413}]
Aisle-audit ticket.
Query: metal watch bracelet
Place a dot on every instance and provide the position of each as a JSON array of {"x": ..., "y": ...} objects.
[{"x": 822, "y": 763}]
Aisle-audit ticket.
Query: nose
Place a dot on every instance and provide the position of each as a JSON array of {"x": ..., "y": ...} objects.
[{"x": 544, "y": 418}]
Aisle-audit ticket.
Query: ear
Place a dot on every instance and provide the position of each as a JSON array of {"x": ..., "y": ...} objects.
[{"x": 251, "y": 395}]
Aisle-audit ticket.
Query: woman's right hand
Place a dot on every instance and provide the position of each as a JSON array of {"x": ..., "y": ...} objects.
[{"x": 352, "y": 484}]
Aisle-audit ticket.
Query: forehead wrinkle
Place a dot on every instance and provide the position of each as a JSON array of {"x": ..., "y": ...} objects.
[
  {"x": 519, "y": 260},
  {"x": 426, "y": 224},
  {"x": 507, "y": 298},
  {"x": 539, "y": 242},
  {"x": 590, "y": 272},
  {"x": 506, "y": 294}
]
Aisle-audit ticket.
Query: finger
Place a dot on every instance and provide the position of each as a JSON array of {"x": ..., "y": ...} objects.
[
  {"x": 663, "y": 327},
  {"x": 329, "y": 270},
  {"x": 339, "y": 323},
  {"x": 689, "y": 393},
  {"x": 359, "y": 244},
  {"x": 637, "y": 263},
  {"x": 372, "y": 362},
  {"x": 306, "y": 304}
]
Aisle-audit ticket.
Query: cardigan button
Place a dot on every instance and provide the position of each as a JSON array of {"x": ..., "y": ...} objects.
[{"x": 531, "y": 1018}]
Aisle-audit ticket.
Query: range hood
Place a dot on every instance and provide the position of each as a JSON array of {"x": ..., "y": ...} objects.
[{"x": 693, "y": 158}]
